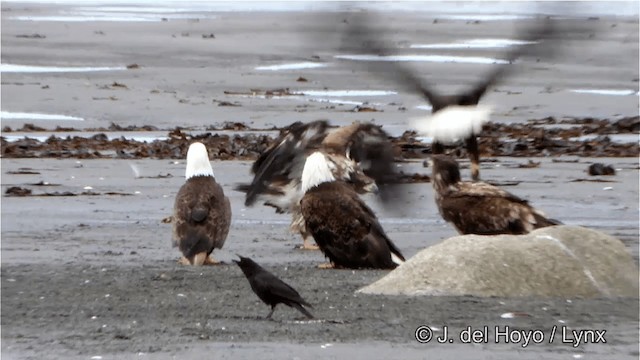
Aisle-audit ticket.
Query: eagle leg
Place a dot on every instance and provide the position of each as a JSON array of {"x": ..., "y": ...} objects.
[
  {"x": 306, "y": 245},
  {"x": 200, "y": 258},
  {"x": 211, "y": 261},
  {"x": 328, "y": 265},
  {"x": 474, "y": 156},
  {"x": 184, "y": 261}
]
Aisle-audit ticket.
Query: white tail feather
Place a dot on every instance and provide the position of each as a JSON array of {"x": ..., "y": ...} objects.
[
  {"x": 453, "y": 122},
  {"x": 396, "y": 259}
]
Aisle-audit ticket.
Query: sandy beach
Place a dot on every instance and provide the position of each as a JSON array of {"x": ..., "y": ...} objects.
[{"x": 88, "y": 271}]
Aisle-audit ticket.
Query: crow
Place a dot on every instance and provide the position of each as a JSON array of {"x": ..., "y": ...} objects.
[{"x": 271, "y": 290}]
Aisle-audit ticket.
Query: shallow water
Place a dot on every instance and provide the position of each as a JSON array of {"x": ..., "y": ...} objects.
[
  {"x": 611, "y": 92},
  {"x": 424, "y": 58},
  {"x": 15, "y": 68},
  {"x": 474, "y": 44},
  {"x": 8, "y": 115},
  {"x": 294, "y": 66}
]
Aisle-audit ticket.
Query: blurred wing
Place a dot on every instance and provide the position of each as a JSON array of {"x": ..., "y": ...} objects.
[
  {"x": 360, "y": 37},
  {"x": 282, "y": 164},
  {"x": 370, "y": 147},
  {"x": 534, "y": 42}
]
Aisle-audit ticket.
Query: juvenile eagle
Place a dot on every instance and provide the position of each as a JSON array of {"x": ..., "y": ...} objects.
[
  {"x": 360, "y": 154},
  {"x": 201, "y": 212},
  {"x": 481, "y": 208}
]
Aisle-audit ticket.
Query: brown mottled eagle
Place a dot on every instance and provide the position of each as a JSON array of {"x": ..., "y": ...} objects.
[
  {"x": 201, "y": 213},
  {"x": 481, "y": 208},
  {"x": 360, "y": 154},
  {"x": 344, "y": 227},
  {"x": 457, "y": 116}
]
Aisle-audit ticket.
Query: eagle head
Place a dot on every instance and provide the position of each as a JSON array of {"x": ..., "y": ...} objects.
[
  {"x": 198, "y": 161},
  {"x": 317, "y": 170}
]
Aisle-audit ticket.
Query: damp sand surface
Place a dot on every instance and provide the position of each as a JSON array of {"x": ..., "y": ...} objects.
[
  {"x": 92, "y": 275},
  {"x": 95, "y": 275}
]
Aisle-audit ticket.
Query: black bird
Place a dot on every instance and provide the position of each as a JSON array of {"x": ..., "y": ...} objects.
[
  {"x": 361, "y": 35},
  {"x": 271, "y": 290}
]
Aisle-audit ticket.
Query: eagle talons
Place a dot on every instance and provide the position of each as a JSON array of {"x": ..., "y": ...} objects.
[
  {"x": 198, "y": 260},
  {"x": 307, "y": 245},
  {"x": 167, "y": 220},
  {"x": 328, "y": 265}
]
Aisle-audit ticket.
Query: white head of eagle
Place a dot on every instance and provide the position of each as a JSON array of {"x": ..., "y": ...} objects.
[
  {"x": 198, "y": 161},
  {"x": 317, "y": 170}
]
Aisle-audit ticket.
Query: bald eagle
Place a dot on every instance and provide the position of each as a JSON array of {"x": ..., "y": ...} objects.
[
  {"x": 344, "y": 227},
  {"x": 456, "y": 116},
  {"x": 201, "y": 212},
  {"x": 481, "y": 208},
  {"x": 361, "y": 155}
]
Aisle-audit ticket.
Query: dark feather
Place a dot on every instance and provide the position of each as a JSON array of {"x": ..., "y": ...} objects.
[
  {"x": 481, "y": 208},
  {"x": 361, "y": 37},
  {"x": 270, "y": 289},
  {"x": 346, "y": 229},
  {"x": 281, "y": 165},
  {"x": 201, "y": 216}
]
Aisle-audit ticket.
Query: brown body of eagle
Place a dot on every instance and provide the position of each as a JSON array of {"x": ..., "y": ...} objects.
[
  {"x": 346, "y": 229},
  {"x": 361, "y": 155},
  {"x": 201, "y": 219},
  {"x": 481, "y": 208}
]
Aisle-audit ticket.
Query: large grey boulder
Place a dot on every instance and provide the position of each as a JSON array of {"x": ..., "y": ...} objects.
[{"x": 558, "y": 261}]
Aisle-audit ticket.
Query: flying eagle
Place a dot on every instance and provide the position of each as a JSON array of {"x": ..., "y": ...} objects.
[
  {"x": 481, "y": 208},
  {"x": 360, "y": 154},
  {"x": 201, "y": 213},
  {"x": 344, "y": 227},
  {"x": 456, "y": 116}
]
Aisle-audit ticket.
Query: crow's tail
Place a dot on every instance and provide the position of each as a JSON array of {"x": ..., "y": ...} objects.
[{"x": 302, "y": 310}]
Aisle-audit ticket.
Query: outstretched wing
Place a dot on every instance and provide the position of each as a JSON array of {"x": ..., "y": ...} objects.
[
  {"x": 370, "y": 148},
  {"x": 360, "y": 36},
  {"x": 278, "y": 170}
]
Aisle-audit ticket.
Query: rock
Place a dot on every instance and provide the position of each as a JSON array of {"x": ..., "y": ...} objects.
[
  {"x": 601, "y": 169},
  {"x": 558, "y": 261}
]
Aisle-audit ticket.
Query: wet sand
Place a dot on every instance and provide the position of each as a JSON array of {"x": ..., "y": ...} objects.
[{"x": 95, "y": 275}]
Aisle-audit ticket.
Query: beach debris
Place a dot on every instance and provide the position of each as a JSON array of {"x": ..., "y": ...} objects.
[
  {"x": 530, "y": 164},
  {"x": 159, "y": 176},
  {"x": 260, "y": 92},
  {"x": 118, "y": 85},
  {"x": 31, "y": 36},
  {"x": 23, "y": 171},
  {"x": 601, "y": 169},
  {"x": 496, "y": 140},
  {"x": 17, "y": 191},
  {"x": 28, "y": 127},
  {"x": 363, "y": 108},
  {"x": 226, "y": 103},
  {"x": 44, "y": 183},
  {"x": 513, "y": 315}
]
